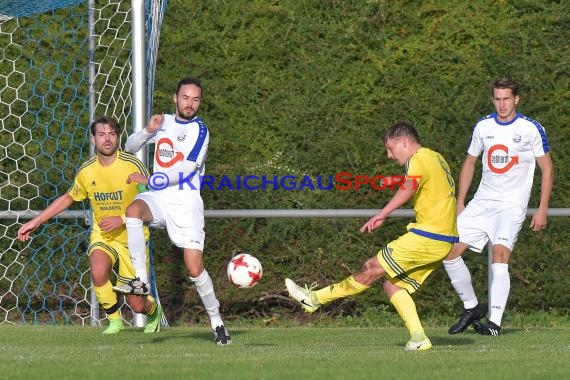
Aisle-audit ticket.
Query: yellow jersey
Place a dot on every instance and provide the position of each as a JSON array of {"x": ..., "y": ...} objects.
[
  {"x": 107, "y": 189},
  {"x": 434, "y": 200}
]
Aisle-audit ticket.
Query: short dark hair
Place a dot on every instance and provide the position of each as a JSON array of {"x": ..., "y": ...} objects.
[
  {"x": 114, "y": 124},
  {"x": 401, "y": 129},
  {"x": 188, "y": 80},
  {"x": 504, "y": 83}
]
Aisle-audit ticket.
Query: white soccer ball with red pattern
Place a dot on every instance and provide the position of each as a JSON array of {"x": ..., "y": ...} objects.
[{"x": 244, "y": 270}]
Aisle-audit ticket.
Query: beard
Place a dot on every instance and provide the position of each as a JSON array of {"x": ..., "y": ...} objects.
[
  {"x": 186, "y": 113},
  {"x": 107, "y": 151}
]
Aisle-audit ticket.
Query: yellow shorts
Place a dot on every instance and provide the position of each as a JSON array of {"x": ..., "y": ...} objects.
[
  {"x": 411, "y": 258},
  {"x": 119, "y": 253}
]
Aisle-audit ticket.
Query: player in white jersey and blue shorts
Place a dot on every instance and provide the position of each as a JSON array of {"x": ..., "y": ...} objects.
[
  {"x": 511, "y": 144},
  {"x": 181, "y": 144}
]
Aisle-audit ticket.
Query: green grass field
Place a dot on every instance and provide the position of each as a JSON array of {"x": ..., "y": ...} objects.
[{"x": 73, "y": 352}]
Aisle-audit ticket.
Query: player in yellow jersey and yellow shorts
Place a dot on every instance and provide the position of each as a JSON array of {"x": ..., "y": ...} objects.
[
  {"x": 103, "y": 180},
  {"x": 406, "y": 262}
]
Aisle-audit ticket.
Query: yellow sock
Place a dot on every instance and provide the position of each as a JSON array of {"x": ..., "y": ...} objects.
[
  {"x": 153, "y": 306},
  {"x": 108, "y": 300},
  {"x": 345, "y": 288},
  {"x": 406, "y": 308}
]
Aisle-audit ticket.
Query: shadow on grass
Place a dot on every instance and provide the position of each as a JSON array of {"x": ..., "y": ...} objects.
[{"x": 172, "y": 334}]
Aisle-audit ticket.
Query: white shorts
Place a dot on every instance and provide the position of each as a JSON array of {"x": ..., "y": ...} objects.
[
  {"x": 495, "y": 221},
  {"x": 184, "y": 223}
]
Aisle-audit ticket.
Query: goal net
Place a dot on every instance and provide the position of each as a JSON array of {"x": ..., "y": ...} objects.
[{"x": 62, "y": 63}]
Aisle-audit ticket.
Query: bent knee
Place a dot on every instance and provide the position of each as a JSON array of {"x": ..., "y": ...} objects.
[
  {"x": 137, "y": 303},
  {"x": 373, "y": 268},
  {"x": 136, "y": 209},
  {"x": 501, "y": 254},
  {"x": 390, "y": 289},
  {"x": 457, "y": 250}
]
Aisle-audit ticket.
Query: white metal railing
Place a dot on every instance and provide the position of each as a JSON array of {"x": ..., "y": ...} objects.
[
  {"x": 270, "y": 213},
  {"x": 291, "y": 213}
]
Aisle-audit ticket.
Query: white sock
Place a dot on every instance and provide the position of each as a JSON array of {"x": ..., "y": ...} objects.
[
  {"x": 205, "y": 289},
  {"x": 461, "y": 280},
  {"x": 500, "y": 288},
  {"x": 137, "y": 247}
]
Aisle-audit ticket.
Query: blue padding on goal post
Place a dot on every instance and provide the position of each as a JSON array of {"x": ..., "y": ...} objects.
[
  {"x": 22, "y": 8},
  {"x": 151, "y": 277},
  {"x": 152, "y": 281}
]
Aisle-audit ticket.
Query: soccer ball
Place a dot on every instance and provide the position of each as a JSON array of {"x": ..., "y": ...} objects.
[{"x": 244, "y": 270}]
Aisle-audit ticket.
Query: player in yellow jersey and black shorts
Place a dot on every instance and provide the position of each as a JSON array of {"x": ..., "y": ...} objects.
[
  {"x": 406, "y": 262},
  {"x": 103, "y": 180}
]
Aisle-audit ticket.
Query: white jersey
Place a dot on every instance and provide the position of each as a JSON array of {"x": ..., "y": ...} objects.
[
  {"x": 176, "y": 143},
  {"x": 509, "y": 157}
]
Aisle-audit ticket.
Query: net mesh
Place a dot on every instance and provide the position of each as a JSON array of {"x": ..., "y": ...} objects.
[{"x": 45, "y": 87}]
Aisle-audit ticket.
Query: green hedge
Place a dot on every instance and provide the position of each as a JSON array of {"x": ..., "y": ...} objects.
[{"x": 308, "y": 87}]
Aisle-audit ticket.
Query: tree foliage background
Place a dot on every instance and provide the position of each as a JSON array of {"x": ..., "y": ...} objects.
[
  {"x": 305, "y": 89},
  {"x": 308, "y": 87}
]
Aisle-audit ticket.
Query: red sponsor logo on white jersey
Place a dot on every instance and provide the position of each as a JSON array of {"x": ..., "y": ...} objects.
[
  {"x": 498, "y": 159},
  {"x": 165, "y": 155}
]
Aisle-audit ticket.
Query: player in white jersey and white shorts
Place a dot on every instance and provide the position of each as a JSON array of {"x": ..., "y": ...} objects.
[
  {"x": 181, "y": 144},
  {"x": 511, "y": 144}
]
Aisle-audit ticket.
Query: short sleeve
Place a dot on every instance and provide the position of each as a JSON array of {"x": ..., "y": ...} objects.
[
  {"x": 476, "y": 143},
  {"x": 77, "y": 190},
  {"x": 416, "y": 170}
]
